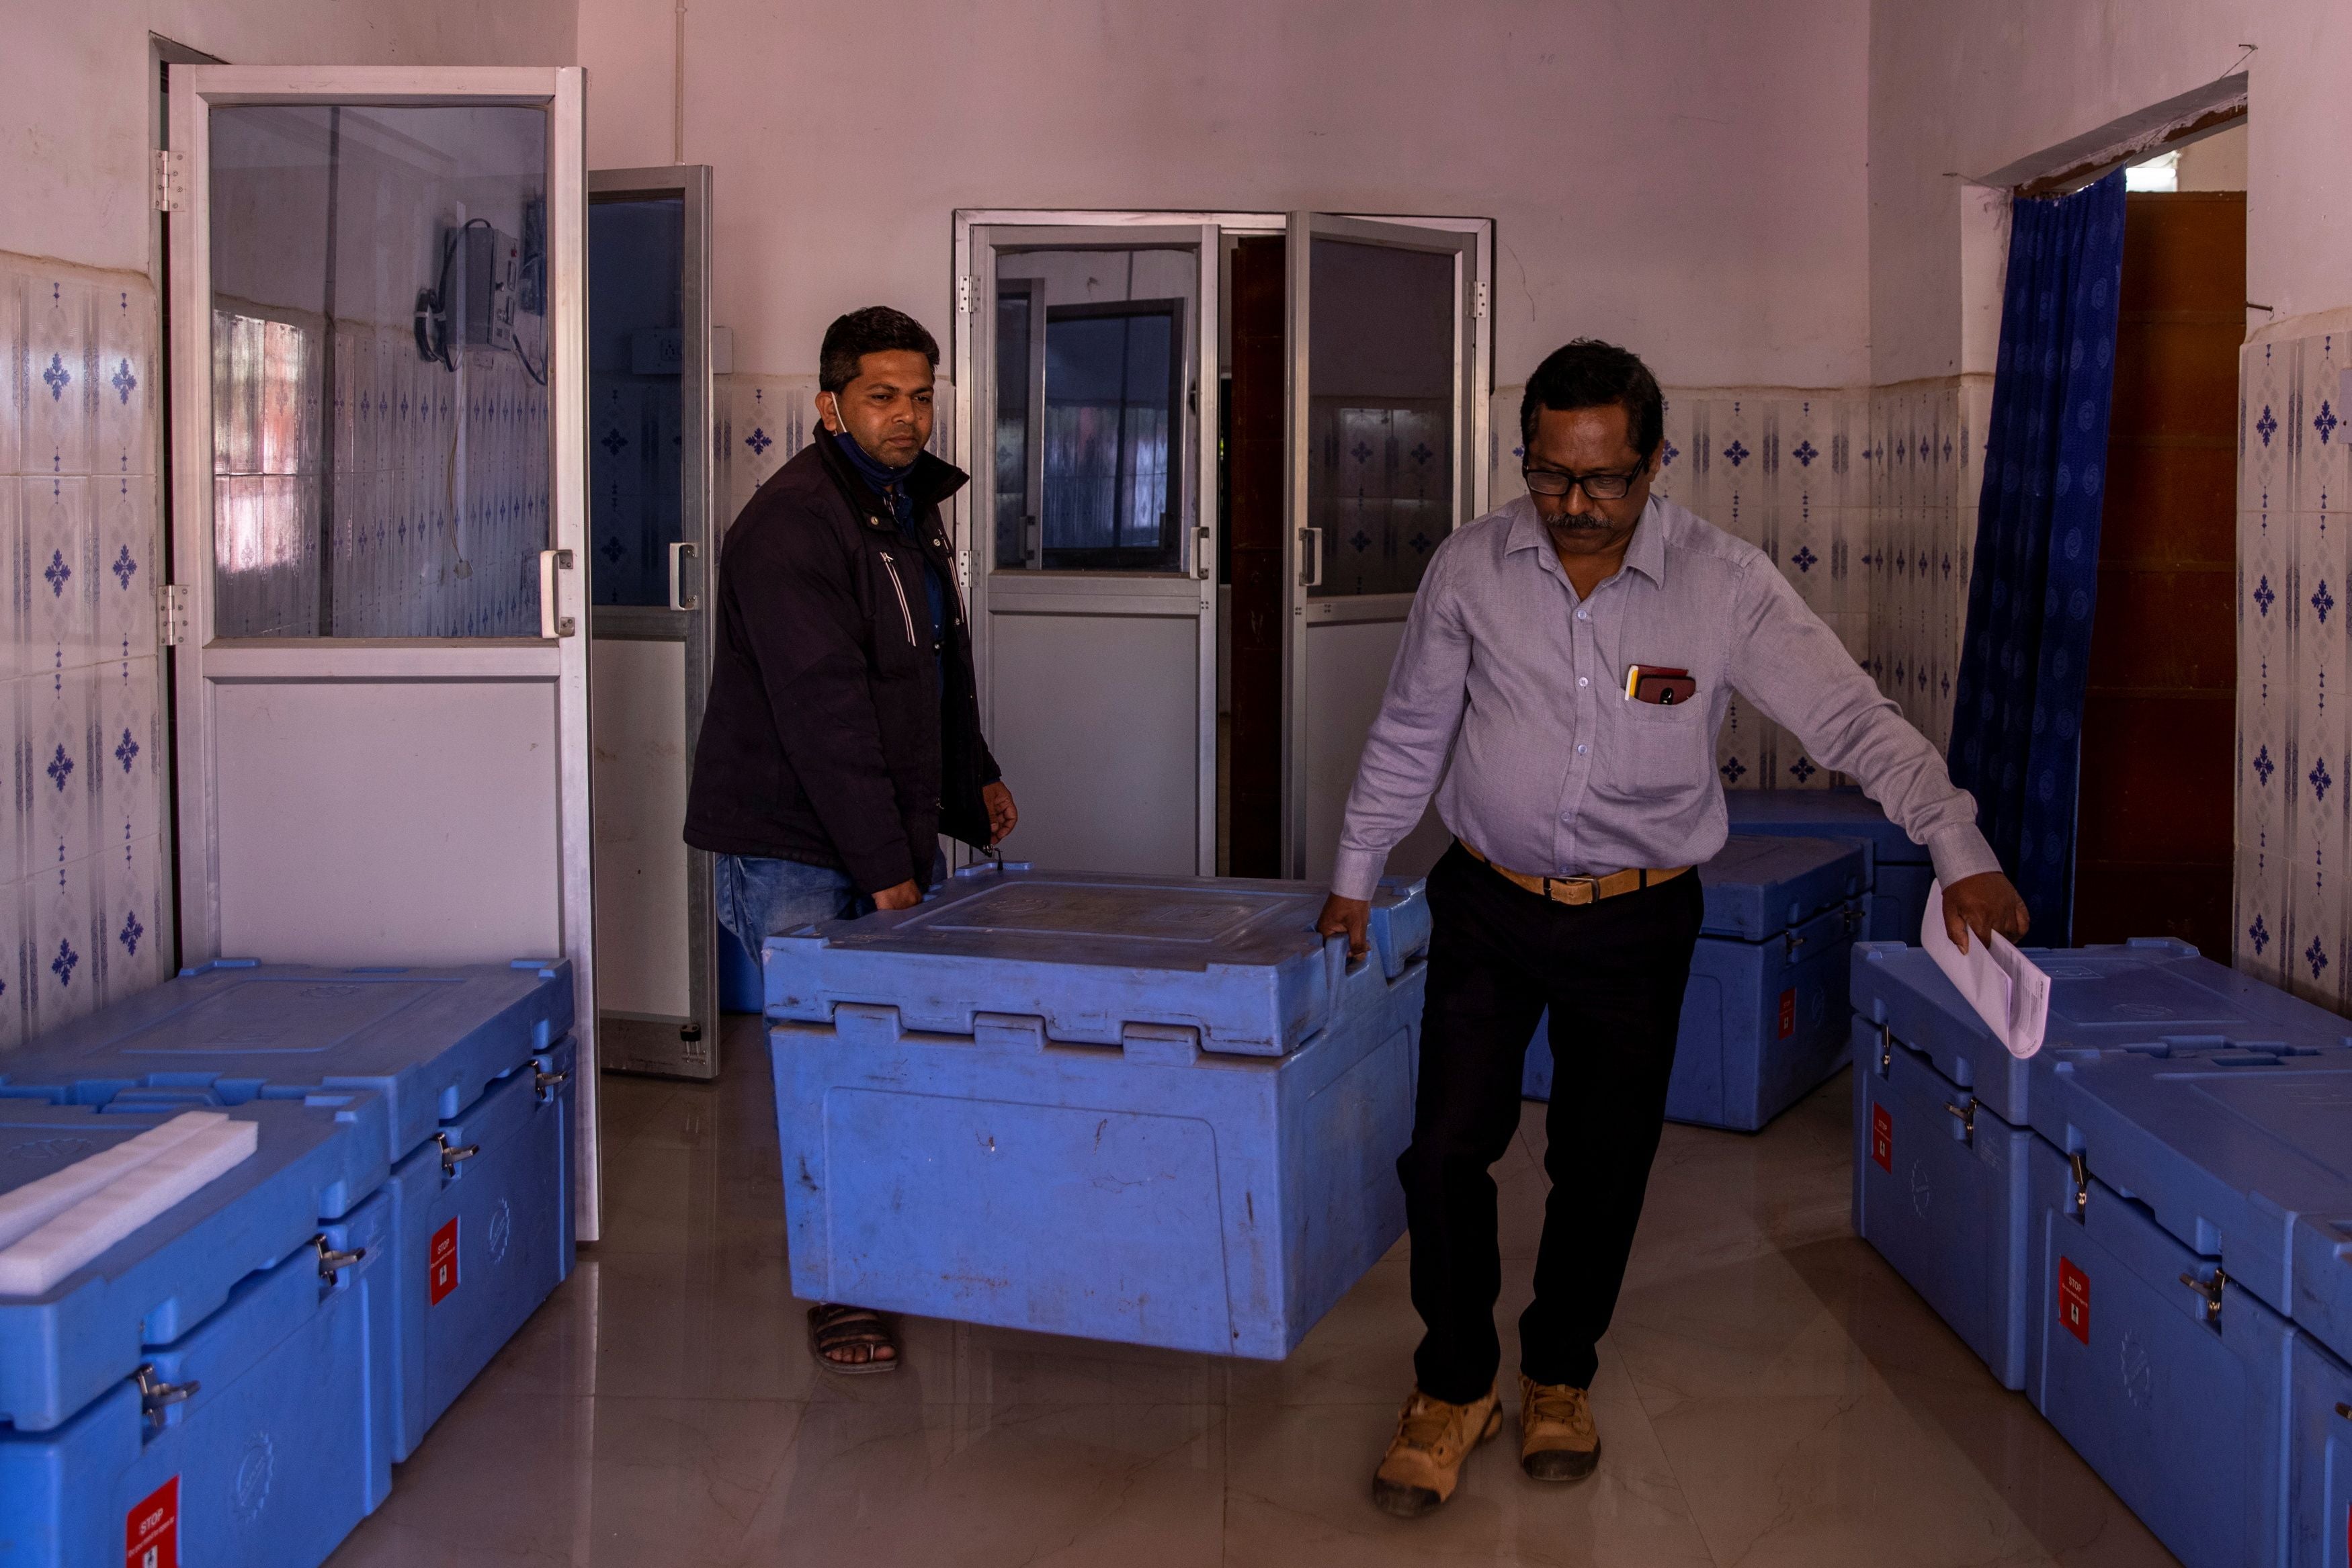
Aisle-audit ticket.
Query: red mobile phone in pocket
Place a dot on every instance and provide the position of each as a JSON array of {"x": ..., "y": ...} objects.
[{"x": 1658, "y": 684}]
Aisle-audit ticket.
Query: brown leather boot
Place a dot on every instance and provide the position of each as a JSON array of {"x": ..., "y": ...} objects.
[
  {"x": 1557, "y": 1441},
  {"x": 1424, "y": 1458}
]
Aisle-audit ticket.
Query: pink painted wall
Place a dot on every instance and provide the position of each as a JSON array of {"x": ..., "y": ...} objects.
[
  {"x": 77, "y": 112},
  {"x": 1962, "y": 88},
  {"x": 1684, "y": 175}
]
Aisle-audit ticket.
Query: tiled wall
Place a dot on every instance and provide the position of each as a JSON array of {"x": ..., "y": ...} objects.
[
  {"x": 2292, "y": 763},
  {"x": 1922, "y": 463},
  {"x": 83, "y": 887},
  {"x": 762, "y": 421},
  {"x": 1866, "y": 501}
]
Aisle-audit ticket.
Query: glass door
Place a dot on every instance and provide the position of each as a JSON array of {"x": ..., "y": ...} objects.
[
  {"x": 1386, "y": 458},
  {"x": 379, "y": 523},
  {"x": 1093, "y": 343},
  {"x": 649, "y": 568}
]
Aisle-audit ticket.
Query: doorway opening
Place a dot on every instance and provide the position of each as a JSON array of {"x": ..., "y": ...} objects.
[
  {"x": 2153, "y": 813},
  {"x": 1221, "y": 448}
]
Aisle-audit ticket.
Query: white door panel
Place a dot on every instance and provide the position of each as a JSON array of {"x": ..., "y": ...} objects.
[
  {"x": 642, "y": 863},
  {"x": 1347, "y": 669},
  {"x": 434, "y": 845},
  {"x": 1088, "y": 352},
  {"x": 1108, "y": 780},
  {"x": 379, "y": 522},
  {"x": 1387, "y": 457}
]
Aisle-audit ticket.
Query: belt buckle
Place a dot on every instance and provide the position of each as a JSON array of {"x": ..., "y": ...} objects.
[{"x": 1591, "y": 888}]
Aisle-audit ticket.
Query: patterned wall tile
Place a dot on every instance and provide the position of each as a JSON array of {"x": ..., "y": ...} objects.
[
  {"x": 2316, "y": 453},
  {"x": 79, "y": 532},
  {"x": 59, "y": 357}
]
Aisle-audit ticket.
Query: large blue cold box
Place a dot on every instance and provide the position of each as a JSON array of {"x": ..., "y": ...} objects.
[
  {"x": 473, "y": 1067},
  {"x": 1154, "y": 1110},
  {"x": 1764, "y": 1015},
  {"x": 2227, "y": 1145},
  {"x": 2318, "y": 1457},
  {"x": 2166, "y": 1376},
  {"x": 316, "y": 1159},
  {"x": 259, "y": 1436},
  {"x": 1940, "y": 1189},
  {"x": 1943, "y": 1113},
  {"x": 1897, "y": 872}
]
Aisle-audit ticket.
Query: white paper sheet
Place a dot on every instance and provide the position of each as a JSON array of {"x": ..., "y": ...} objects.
[
  {"x": 36, "y": 1263},
  {"x": 2008, "y": 990},
  {"x": 26, "y": 1209}
]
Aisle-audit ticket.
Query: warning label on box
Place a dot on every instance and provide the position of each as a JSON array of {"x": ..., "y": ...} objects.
[
  {"x": 442, "y": 1265},
  {"x": 1787, "y": 1012},
  {"x": 151, "y": 1531},
  {"x": 1882, "y": 1138},
  {"x": 2074, "y": 1300}
]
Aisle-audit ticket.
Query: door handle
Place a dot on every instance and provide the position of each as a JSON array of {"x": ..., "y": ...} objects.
[
  {"x": 550, "y": 624},
  {"x": 1204, "y": 550},
  {"x": 1310, "y": 563},
  {"x": 682, "y": 549}
]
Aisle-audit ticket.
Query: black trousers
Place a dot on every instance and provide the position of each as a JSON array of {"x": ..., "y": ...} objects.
[{"x": 1612, "y": 974}]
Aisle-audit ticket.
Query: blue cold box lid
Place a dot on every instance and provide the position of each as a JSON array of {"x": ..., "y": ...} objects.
[
  {"x": 1823, "y": 813},
  {"x": 2227, "y": 1144},
  {"x": 1091, "y": 953},
  {"x": 1759, "y": 886},
  {"x": 316, "y": 1159},
  {"x": 2149, "y": 989},
  {"x": 428, "y": 1039}
]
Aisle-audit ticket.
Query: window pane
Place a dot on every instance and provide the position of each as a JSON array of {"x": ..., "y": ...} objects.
[
  {"x": 1092, "y": 399},
  {"x": 1109, "y": 435},
  {"x": 376, "y": 475},
  {"x": 636, "y": 395},
  {"x": 1381, "y": 415}
]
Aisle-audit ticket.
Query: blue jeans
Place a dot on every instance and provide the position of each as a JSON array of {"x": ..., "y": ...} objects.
[{"x": 759, "y": 898}]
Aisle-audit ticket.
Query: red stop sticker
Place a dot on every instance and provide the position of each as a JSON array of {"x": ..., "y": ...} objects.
[
  {"x": 442, "y": 1264},
  {"x": 1787, "y": 1012},
  {"x": 151, "y": 1531},
  {"x": 1882, "y": 1138},
  {"x": 2074, "y": 1300}
]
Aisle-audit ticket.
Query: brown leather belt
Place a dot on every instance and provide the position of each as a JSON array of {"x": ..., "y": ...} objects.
[{"x": 1579, "y": 889}]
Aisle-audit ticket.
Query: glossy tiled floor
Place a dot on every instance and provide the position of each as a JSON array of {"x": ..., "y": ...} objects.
[{"x": 1771, "y": 1394}]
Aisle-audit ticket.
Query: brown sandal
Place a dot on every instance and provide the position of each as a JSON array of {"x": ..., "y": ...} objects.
[{"x": 833, "y": 1327}]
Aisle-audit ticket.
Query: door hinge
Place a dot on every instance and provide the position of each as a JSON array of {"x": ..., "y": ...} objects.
[
  {"x": 171, "y": 181},
  {"x": 172, "y": 614},
  {"x": 1478, "y": 302},
  {"x": 963, "y": 295}
]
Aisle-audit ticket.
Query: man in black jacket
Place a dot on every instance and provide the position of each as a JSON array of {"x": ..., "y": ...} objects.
[{"x": 841, "y": 735}]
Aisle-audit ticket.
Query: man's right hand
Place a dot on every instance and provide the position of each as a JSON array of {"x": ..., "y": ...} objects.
[
  {"x": 1346, "y": 917},
  {"x": 906, "y": 895}
]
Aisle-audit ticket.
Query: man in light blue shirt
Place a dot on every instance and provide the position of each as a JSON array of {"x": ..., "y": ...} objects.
[{"x": 1561, "y": 679}]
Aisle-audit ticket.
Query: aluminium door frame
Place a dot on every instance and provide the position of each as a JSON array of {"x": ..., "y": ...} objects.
[
  {"x": 1473, "y": 381},
  {"x": 203, "y": 661},
  {"x": 1194, "y": 584},
  {"x": 698, "y": 528}
]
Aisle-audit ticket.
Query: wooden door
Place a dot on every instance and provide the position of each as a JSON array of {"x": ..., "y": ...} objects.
[{"x": 2153, "y": 845}]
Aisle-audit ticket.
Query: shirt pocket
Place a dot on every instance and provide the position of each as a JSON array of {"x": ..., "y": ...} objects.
[{"x": 1667, "y": 744}]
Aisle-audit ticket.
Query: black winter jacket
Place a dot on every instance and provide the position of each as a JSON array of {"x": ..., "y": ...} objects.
[{"x": 826, "y": 739}]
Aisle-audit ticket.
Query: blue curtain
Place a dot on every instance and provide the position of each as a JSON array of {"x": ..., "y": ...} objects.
[{"x": 2017, "y": 717}]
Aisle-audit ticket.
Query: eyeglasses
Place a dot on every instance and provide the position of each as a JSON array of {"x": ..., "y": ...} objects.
[{"x": 1599, "y": 487}]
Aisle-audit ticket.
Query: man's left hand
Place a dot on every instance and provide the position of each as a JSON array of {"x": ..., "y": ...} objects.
[
  {"x": 1984, "y": 903},
  {"x": 1003, "y": 818}
]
